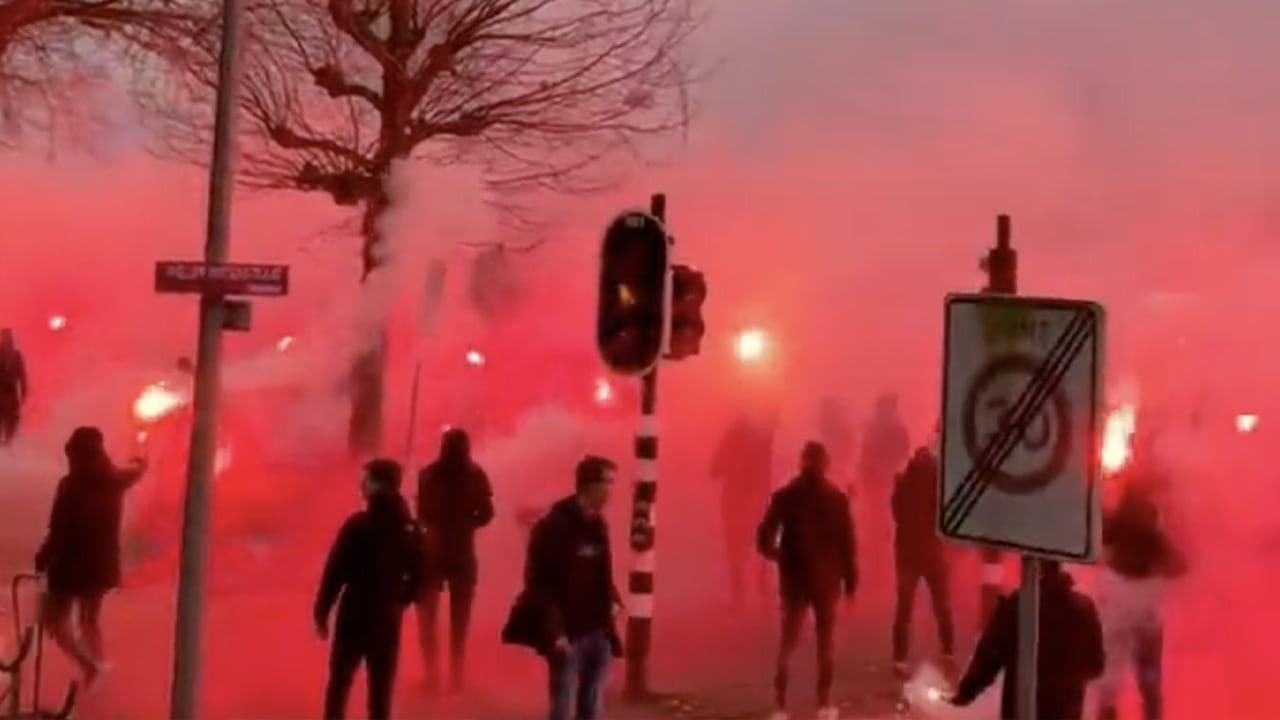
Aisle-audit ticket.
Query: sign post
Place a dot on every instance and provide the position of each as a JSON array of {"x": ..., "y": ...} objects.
[{"x": 1022, "y": 408}]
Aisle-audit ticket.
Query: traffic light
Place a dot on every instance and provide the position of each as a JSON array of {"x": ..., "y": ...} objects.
[
  {"x": 688, "y": 293},
  {"x": 633, "y": 282}
]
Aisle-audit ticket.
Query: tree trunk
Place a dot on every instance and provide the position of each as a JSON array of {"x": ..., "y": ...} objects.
[{"x": 368, "y": 373}]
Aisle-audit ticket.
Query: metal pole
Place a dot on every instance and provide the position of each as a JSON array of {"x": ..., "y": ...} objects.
[
  {"x": 644, "y": 499},
  {"x": 1001, "y": 265},
  {"x": 1028, "y": 637},
  {"x": 184, "y": 692},
  {"x": 413, "y": 415}
]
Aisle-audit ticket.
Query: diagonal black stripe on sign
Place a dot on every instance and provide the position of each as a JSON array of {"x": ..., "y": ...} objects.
[
  {"x": 1020, "y": 415},
  {"x": 1028, "y": 405}
]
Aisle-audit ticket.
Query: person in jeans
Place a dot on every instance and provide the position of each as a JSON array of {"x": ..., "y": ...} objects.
[
  {"x": 919, "y": 555},
  {"x": 566, "y": 611},
  {"x": 808, "y": 531}
]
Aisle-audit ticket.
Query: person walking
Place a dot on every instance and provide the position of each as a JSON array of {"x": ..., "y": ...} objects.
[
  {"x": 741, "y": 467},
  {"x": 14, "y": 390},
  {"x": 80, "y": 555},
  {"x": 808, "y": 531},
  {"x": 372, "y": 574},
  {"x": 454, "y": 500},
  {"x": 566, "y": 611},
  {"x": 919, "y": 554}
]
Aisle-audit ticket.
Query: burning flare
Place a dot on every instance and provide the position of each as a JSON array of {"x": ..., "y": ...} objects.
[
  {"x": 156, "y": 401},
  {"x": 1116, "y": 434}
]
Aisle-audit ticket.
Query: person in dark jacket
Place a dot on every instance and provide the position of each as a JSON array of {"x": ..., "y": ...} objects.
[
  {"x": 885, "y": 448},
  {"x": 567, "y": 608},
  {"x": 372, "y": 573},
  {"x": 808, "y": 531},
  {"x": 454, "y": 500},
  {"x": 919, "y": 555},
  {"x": 1070, "y": 654},
  {"x": 1139, "y": 559},
  {"x": 80, "y": 555},
  {"x": 742, "y": 467},
  {"x": 13, "y": 386}
]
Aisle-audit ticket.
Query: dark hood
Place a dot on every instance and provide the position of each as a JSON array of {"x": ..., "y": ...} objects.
[
  {"x": 86, "y": 453},
  {"x": 455, "y": 448}
]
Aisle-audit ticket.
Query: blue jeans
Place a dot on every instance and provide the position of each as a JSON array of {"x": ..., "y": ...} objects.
[{"x": 581, "y": 669}]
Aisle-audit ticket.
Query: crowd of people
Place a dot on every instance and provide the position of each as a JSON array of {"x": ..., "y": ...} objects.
[{"x": 392, "y": 555}]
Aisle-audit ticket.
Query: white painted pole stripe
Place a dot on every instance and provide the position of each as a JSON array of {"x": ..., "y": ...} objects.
[
  {"x": 648, "y": 426},
  {"x": 647, "y": 470},
  {"x": 992, "y": 574},
  {"x": 640, "y": 606},
  {"x": 644, "y": 562}
]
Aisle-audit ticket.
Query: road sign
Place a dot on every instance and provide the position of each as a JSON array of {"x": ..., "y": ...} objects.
[
  {"x": 182, "y": 276},
  {"x": 1022, "y": 418}
]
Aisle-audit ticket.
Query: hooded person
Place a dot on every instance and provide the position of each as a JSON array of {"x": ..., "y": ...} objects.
[
  {"x": 372, "y": 574},
  {"x": 919, "y": 554},
  {"x": 1070, "y": 654},
  {"x": 454, "y": 500},
  {"x": 808, "y": 531},
  {"x": 13, "y": 386},
  {"x": 80, "y": 555},
  {"x": 1139, "y": 561}
]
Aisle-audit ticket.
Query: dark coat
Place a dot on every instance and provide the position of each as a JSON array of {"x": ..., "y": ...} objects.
[
  {"x": 1071, "y": 654},
  {"x": 1135, "y": 544},
  {"x": 454, "y": 500},
  {"x": 885, "y": 446},
  {"x": 81, "y": 552},
  {"x": 374, "y": 566},
  {"x": 743, "y": 462},
  {"x": 568, "y": 582},
  {"x": 915, "y": 511},
  {"x": 13, "y": 380},
  {"x": 808, "y": 530}
]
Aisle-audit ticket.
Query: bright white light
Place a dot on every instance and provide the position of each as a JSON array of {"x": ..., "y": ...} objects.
[
  {"x": 284, "y": 343},
  {"x": 751, "y": 345},
  {"x": 1115, "y": 438},
  {"x": 475, "y": 358},
  {"x": 155, "y": 401},
  {"x": 1246, "y": 423},
  {"x": 57, "y": 322},
  {"x": 933, "y": 694},
  {"x": 604, "y": 392}
]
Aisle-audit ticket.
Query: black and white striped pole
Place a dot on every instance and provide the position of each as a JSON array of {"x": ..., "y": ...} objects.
[{"x": 642, "y": 296}]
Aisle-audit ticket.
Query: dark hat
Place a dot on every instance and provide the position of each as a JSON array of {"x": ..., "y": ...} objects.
[
  {"x": 593, "y": 470},
  {"x": 384, "y": 473},
  {"x": 85, "y": 442}
]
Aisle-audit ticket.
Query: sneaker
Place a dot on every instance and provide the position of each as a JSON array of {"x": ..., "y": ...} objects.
[{"x": 828, "y": 713}]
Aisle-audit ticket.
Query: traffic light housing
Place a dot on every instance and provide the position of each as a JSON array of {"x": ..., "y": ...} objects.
[
  {"x": 631, "y": 316},
  {"x": 688, "y": 293}
]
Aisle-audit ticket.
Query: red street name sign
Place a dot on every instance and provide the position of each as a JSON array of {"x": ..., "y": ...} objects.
[{"x": 180, "y": 276}]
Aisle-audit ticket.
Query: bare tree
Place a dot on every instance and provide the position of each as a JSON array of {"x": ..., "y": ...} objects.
[
  {"x": 542, "y": 94},
  {"x": 50, "y": 50}
]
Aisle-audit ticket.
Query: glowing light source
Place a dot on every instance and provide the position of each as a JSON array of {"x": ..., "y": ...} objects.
[
  {"x": 284, "y": 343},
  {"x": 156, "y": 401},
  {"x": 604, "y": 392},
  {"x": 1246, "y": 423},
  {"x": 1116, "y": 433},
  {"x": 57, "y": 323},
  {"x": 475, "y": 358},
  {"x": 751, "y": 345}
]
